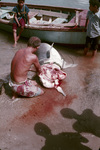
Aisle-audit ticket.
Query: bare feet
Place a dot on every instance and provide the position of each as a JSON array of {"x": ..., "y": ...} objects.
[
  {"x": 14, "y": 45},
  {"x": 94, "y": 53},
  {"x": 17, "y": 38},
  {"x": 85, "y": 51},
  {"x": 14, "y": 95}
]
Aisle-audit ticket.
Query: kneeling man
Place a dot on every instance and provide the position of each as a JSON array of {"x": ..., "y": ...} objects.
[{"x": 20, "y": 65}]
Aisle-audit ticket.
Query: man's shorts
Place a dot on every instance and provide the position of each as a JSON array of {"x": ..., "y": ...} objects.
[
  {"x": 92, "y": 43},
  {"x": 26, "y": 89},
  {"x": 22, "y": 23}
]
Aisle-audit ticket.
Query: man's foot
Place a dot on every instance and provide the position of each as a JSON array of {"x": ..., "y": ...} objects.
[
  {"x": 14, "y": 45},
  {"x": 94, "y": 53},
  {"x": 15, "y": 95},
  {"x": 85, "y": 51}
]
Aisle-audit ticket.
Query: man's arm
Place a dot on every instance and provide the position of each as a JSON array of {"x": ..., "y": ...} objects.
[
  {"x": 27, "y": 11},
  {"x": 85, "y": 27},
  {"x": 15, "y": 16},
  {"x": 15, "y": 10},
  {"x": 28, "y": 18},
  {"x": 37, "y": 65},
  {"x": 86, "y": 23}
]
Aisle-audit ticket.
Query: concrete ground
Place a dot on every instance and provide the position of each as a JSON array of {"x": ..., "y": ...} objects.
[{"x": 52, "y": 121}]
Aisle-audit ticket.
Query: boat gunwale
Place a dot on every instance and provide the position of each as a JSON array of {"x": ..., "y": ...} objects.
[
  {"x": 46, "y": 28},
  {"x": 4, "y": 4},
  {"x": 51, "y": 27}
]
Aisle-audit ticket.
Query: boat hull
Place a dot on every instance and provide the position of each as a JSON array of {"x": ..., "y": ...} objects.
[
  {"x": 61, "y": 37},
  {"x": 68, "y": 33}
]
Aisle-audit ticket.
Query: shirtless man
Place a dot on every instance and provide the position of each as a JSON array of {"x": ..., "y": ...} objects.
[{"x": 20, "y": 65}]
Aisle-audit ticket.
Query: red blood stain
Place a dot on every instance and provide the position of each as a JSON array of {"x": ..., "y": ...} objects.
[{"x": 46, "y": 105}]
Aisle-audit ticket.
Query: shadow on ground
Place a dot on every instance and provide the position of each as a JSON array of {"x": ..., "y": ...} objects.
[
  {"x": 5, "y": 83},
  {"x": 87, "y": 122},
  {"x": 61, "y": 141}
]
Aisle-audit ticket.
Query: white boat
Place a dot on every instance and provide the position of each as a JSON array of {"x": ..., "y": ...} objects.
[{"x": 51, "y": 24}]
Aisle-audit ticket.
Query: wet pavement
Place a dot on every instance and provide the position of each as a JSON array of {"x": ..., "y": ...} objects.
[{"x": 52, "y": 121}]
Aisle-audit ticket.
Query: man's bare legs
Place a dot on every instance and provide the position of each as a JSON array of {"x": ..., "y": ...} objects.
[
  {"x": 94, "y": 53},
  {"x": 16, "y": 38},
  {"x": 86, "y": 51},
  {"x": 20, "y": 32}
]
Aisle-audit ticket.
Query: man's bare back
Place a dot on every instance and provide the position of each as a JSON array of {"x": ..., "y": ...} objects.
[{"x": 21, "y": 65}]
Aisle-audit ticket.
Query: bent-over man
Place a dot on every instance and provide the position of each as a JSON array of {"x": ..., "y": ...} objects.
[{"x": 20, "y": 65}]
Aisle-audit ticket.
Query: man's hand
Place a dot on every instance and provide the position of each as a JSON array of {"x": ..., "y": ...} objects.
[
  {"x": 18, "y": 25},
  {"x": 33, "y": 82}
]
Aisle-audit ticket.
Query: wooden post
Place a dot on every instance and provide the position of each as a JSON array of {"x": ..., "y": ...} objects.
[{"x": 77, "y": 18}]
